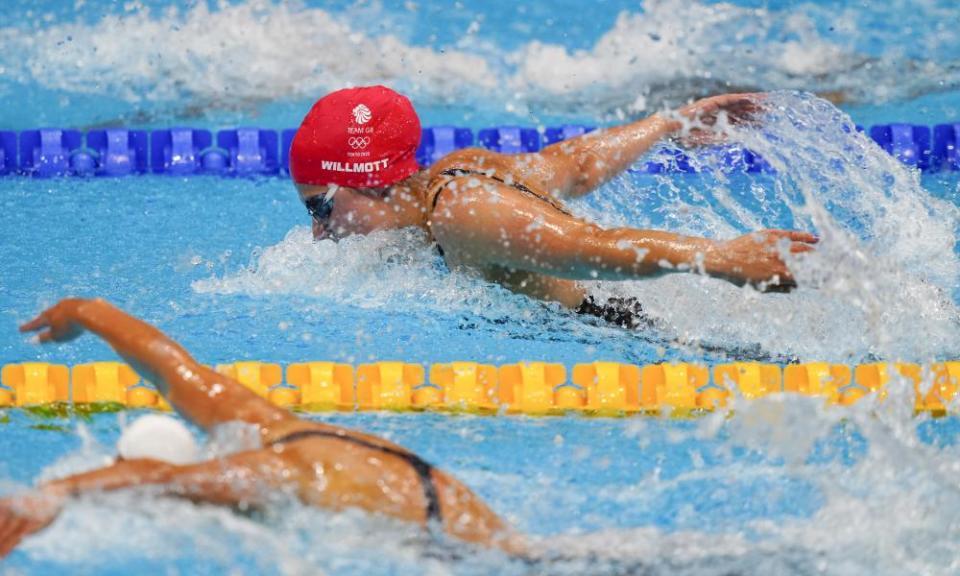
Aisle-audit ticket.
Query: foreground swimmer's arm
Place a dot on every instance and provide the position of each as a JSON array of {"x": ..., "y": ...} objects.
[
  {"x": 204, "y": 396},
  {"x": 242, "y": 480},
  {"x": 323, "y": 465},
  {"x": 497, "y": 226},
  {"x": 580, "y": 165},
  {"x": 249, "y": 480}
]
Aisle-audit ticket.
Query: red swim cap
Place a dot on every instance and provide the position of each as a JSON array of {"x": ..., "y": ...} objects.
[{"x": 357, "y": 137}]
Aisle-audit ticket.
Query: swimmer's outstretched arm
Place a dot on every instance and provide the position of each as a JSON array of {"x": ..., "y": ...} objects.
[
  {"x": 580, "y": 165},
  {"x": 209, "y": 398},
  {"x": 241, "y": 480},
  {"x": 497, "y": 226},
  {"x": 246, "y": 480},
  {"x": 204, "y": 396}
]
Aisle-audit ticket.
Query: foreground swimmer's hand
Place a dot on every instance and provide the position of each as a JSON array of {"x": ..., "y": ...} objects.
[
  {"x": 26, "y": 514},
  {"x": 704, "y": 114},
  {"x": 60, "y": 321},
  {"x": 755, "y": 258}
]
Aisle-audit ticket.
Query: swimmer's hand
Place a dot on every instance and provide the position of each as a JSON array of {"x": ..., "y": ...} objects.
[
  {"x": 26, "y": 514},
  {"x": 698, "y": 121},
  {"x": 755, "y": 258},
  {"x": 60, "y": 321}
]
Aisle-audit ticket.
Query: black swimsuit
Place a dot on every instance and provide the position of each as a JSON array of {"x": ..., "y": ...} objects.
[
  {"x": 420, "y": 466},
  {"x": 622, "y": 312}
]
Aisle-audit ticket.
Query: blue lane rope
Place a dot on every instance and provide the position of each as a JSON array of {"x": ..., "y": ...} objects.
[{"x": 251, "y": 151}]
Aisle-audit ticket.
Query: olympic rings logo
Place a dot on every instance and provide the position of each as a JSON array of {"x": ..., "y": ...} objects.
[{"x": 358, "y": 142}]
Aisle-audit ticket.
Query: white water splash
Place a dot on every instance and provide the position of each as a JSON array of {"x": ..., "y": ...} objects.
[
  {"x": 234, "y": 54},
  {"x": 891, "y": 512},
  {"x": 881, "y": 277},
  {"x": 137, "y": 530},
  {"x": 132, "y": 528},
  {"x": 385, "y": 269},
  {"x": 674, "y": 48},
  {"x": 259, "y": 51}
]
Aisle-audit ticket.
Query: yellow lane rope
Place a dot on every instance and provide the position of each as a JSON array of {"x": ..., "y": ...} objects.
[{"x": 600, "y": 388}]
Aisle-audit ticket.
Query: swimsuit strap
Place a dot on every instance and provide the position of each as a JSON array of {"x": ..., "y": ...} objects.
[
  {"x": 457, "y": 172},
  {"x": 419, "y": 465},
  {"x": 452, "y": 173}
]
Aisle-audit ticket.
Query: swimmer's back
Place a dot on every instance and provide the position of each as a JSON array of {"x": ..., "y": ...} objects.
[
  {"x": 521, "y": 180},
  {"x": 529, "y": 170}
]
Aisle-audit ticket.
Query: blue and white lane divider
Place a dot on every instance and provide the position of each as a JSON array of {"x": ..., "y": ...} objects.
[{"x": 257, "y": 152}]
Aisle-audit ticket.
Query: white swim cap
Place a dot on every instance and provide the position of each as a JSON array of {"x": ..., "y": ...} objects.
[{"x": 160, "y": 438}]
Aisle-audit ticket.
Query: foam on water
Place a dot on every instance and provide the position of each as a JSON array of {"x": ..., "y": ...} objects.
[
  {"x": 245, "y": 54},
  {"x": 674, "y": 47},
  {"x": 889, "y": 513},
  {"x": 384, "y": 269},
  {"x": 884, "y": 272},
  {"x": 235, "y": 54},
  {"x": 888, "y": 510}
]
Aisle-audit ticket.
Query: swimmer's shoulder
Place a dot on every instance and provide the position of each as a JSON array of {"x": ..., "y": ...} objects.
[{"x": 479, "y": 159}]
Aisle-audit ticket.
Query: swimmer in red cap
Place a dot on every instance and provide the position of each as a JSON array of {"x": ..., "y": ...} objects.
[
  {"x": 323, "y": 465},
  {"x": 353, "y": 161}
]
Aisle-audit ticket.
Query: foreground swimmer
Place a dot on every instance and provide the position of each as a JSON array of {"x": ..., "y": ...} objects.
[
  {"x": 323, "y": 465},
  {"x": 353, "y": 161}
]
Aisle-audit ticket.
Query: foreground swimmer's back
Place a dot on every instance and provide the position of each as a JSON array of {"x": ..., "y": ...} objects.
[{"x": 323, "y": 465}]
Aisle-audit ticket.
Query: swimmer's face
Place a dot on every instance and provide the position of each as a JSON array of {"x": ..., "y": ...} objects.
[{"x": 354, "y": 211}]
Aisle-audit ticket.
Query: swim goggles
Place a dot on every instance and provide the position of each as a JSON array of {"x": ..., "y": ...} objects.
[{"x": 320, "y": 206}]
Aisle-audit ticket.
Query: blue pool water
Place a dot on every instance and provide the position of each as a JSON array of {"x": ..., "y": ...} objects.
[{"x": 227, "y": 267}]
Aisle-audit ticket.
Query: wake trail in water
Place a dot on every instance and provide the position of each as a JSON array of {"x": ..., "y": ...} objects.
[
  {"x": 252, "y": 53},
  {"x": 888, "y": 509}
]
